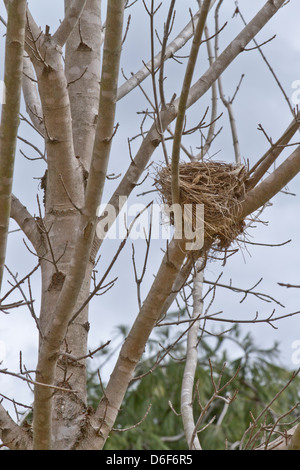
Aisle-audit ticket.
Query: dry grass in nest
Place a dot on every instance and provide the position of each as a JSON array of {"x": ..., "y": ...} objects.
[{"x": 219, "y": 186}]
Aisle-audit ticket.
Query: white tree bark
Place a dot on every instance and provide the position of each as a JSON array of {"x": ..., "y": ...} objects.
[
  {"x": 12, "y": 435},
  {"x": 69, "y": 22},
  {"x": 82, "y": 66},
  {"x": 187, "y": 388},
  {"x": 31, "y": 96},
  {"x": 27, "y": 223},
  {"x": 75, "y": 275},
  {"x": 14, "y": 50},
  {"x": 274, "y": 183}
]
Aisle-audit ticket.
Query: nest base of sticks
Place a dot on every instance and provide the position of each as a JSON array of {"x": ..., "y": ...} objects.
[{"x": 219, "y": 186}]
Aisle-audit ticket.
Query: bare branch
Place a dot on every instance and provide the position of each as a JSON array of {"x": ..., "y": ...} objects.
[
  {"x": 12, "y": 435},
  {"x": 282, "y": 442},
  {"x": 134, "y": 425},
  {"x": 182, "y": 38},
  {"x": 134, "y": 344},
  {"x": 26, "y": 222},
  {"x": 288, "y": 285},
  {"x": 246, "y": 292},
  {"x": 14, "y": 51},
  {"x": 211, "y": 131},
  {"x": 90, "y": 353},
  {"x": 179, "y": 282},
  {"x": 191, "y": 362},
  {"x": 152, "y": 139},
  {"x": 238, "y": 11},
  {"x": 218, "y": 389},
  {"x": 269, "y": 320},
  {"x": 167, "y": 30},
  {"x": 228, "y": 103},
  {"x": 246, "y": 444},
  {"x": 20, "y": 303},
  {"x": 99, "y": 285},
  {"x": 139, "y": 279},
  {"x": 42, "y": 156},
  {"x": 31, "y": 97},
  {"x": 70, "y": 20},
  {"x": 153, "y": 72},
  {"x": 182, "y": 105},
  {"x": 265, "y": 162},
  {"x": 274, "y": 183},
  {"x": 34, "y": 382}
]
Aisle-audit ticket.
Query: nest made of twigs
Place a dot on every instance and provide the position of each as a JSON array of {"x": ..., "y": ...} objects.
[{"x": 218, "y": 186}]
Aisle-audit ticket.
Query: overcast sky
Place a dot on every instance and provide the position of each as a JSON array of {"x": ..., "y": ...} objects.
[{"x": 259, "y": 101}]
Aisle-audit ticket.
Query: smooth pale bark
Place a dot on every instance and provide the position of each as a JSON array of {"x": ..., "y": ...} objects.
[
  {"x": 61, "y": 194},
  {"x": 187, "y": 388},
  {"x": 69, "y": 410},
  {"x": 56, "y": 330},
  {"x": 31, "y": 96},
  {"x": 262, "y": 166},
  {"x": 82, "y": 66},
  {"x": 12, "y": 435},
  {"x": 274, "y": 183},
  {"x": 14, "y": 50},
  {"x": 64, "y": 176},
  {"x": 295, "y": 440},
  {"x": 62, "y": 219},
  {"x": 64, "y": 192},
  {"x": 27, "y": 223},
  {"x": 69, "y": 22},
  {"x": 179, "y": 282}
]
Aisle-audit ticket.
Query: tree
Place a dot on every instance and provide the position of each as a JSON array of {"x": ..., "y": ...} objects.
[{"x": 71, "y": 89}]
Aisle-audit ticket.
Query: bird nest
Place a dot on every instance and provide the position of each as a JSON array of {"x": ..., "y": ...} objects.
[{"x": 219, "y": 186}]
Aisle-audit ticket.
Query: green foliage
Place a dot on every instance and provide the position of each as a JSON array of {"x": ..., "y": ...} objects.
[{"x": 257, "y": 382}]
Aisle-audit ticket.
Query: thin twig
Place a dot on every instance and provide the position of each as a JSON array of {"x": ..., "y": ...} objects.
[
  {"x": 134, "y": 425},
  {"x": 33, "y": 382}
]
